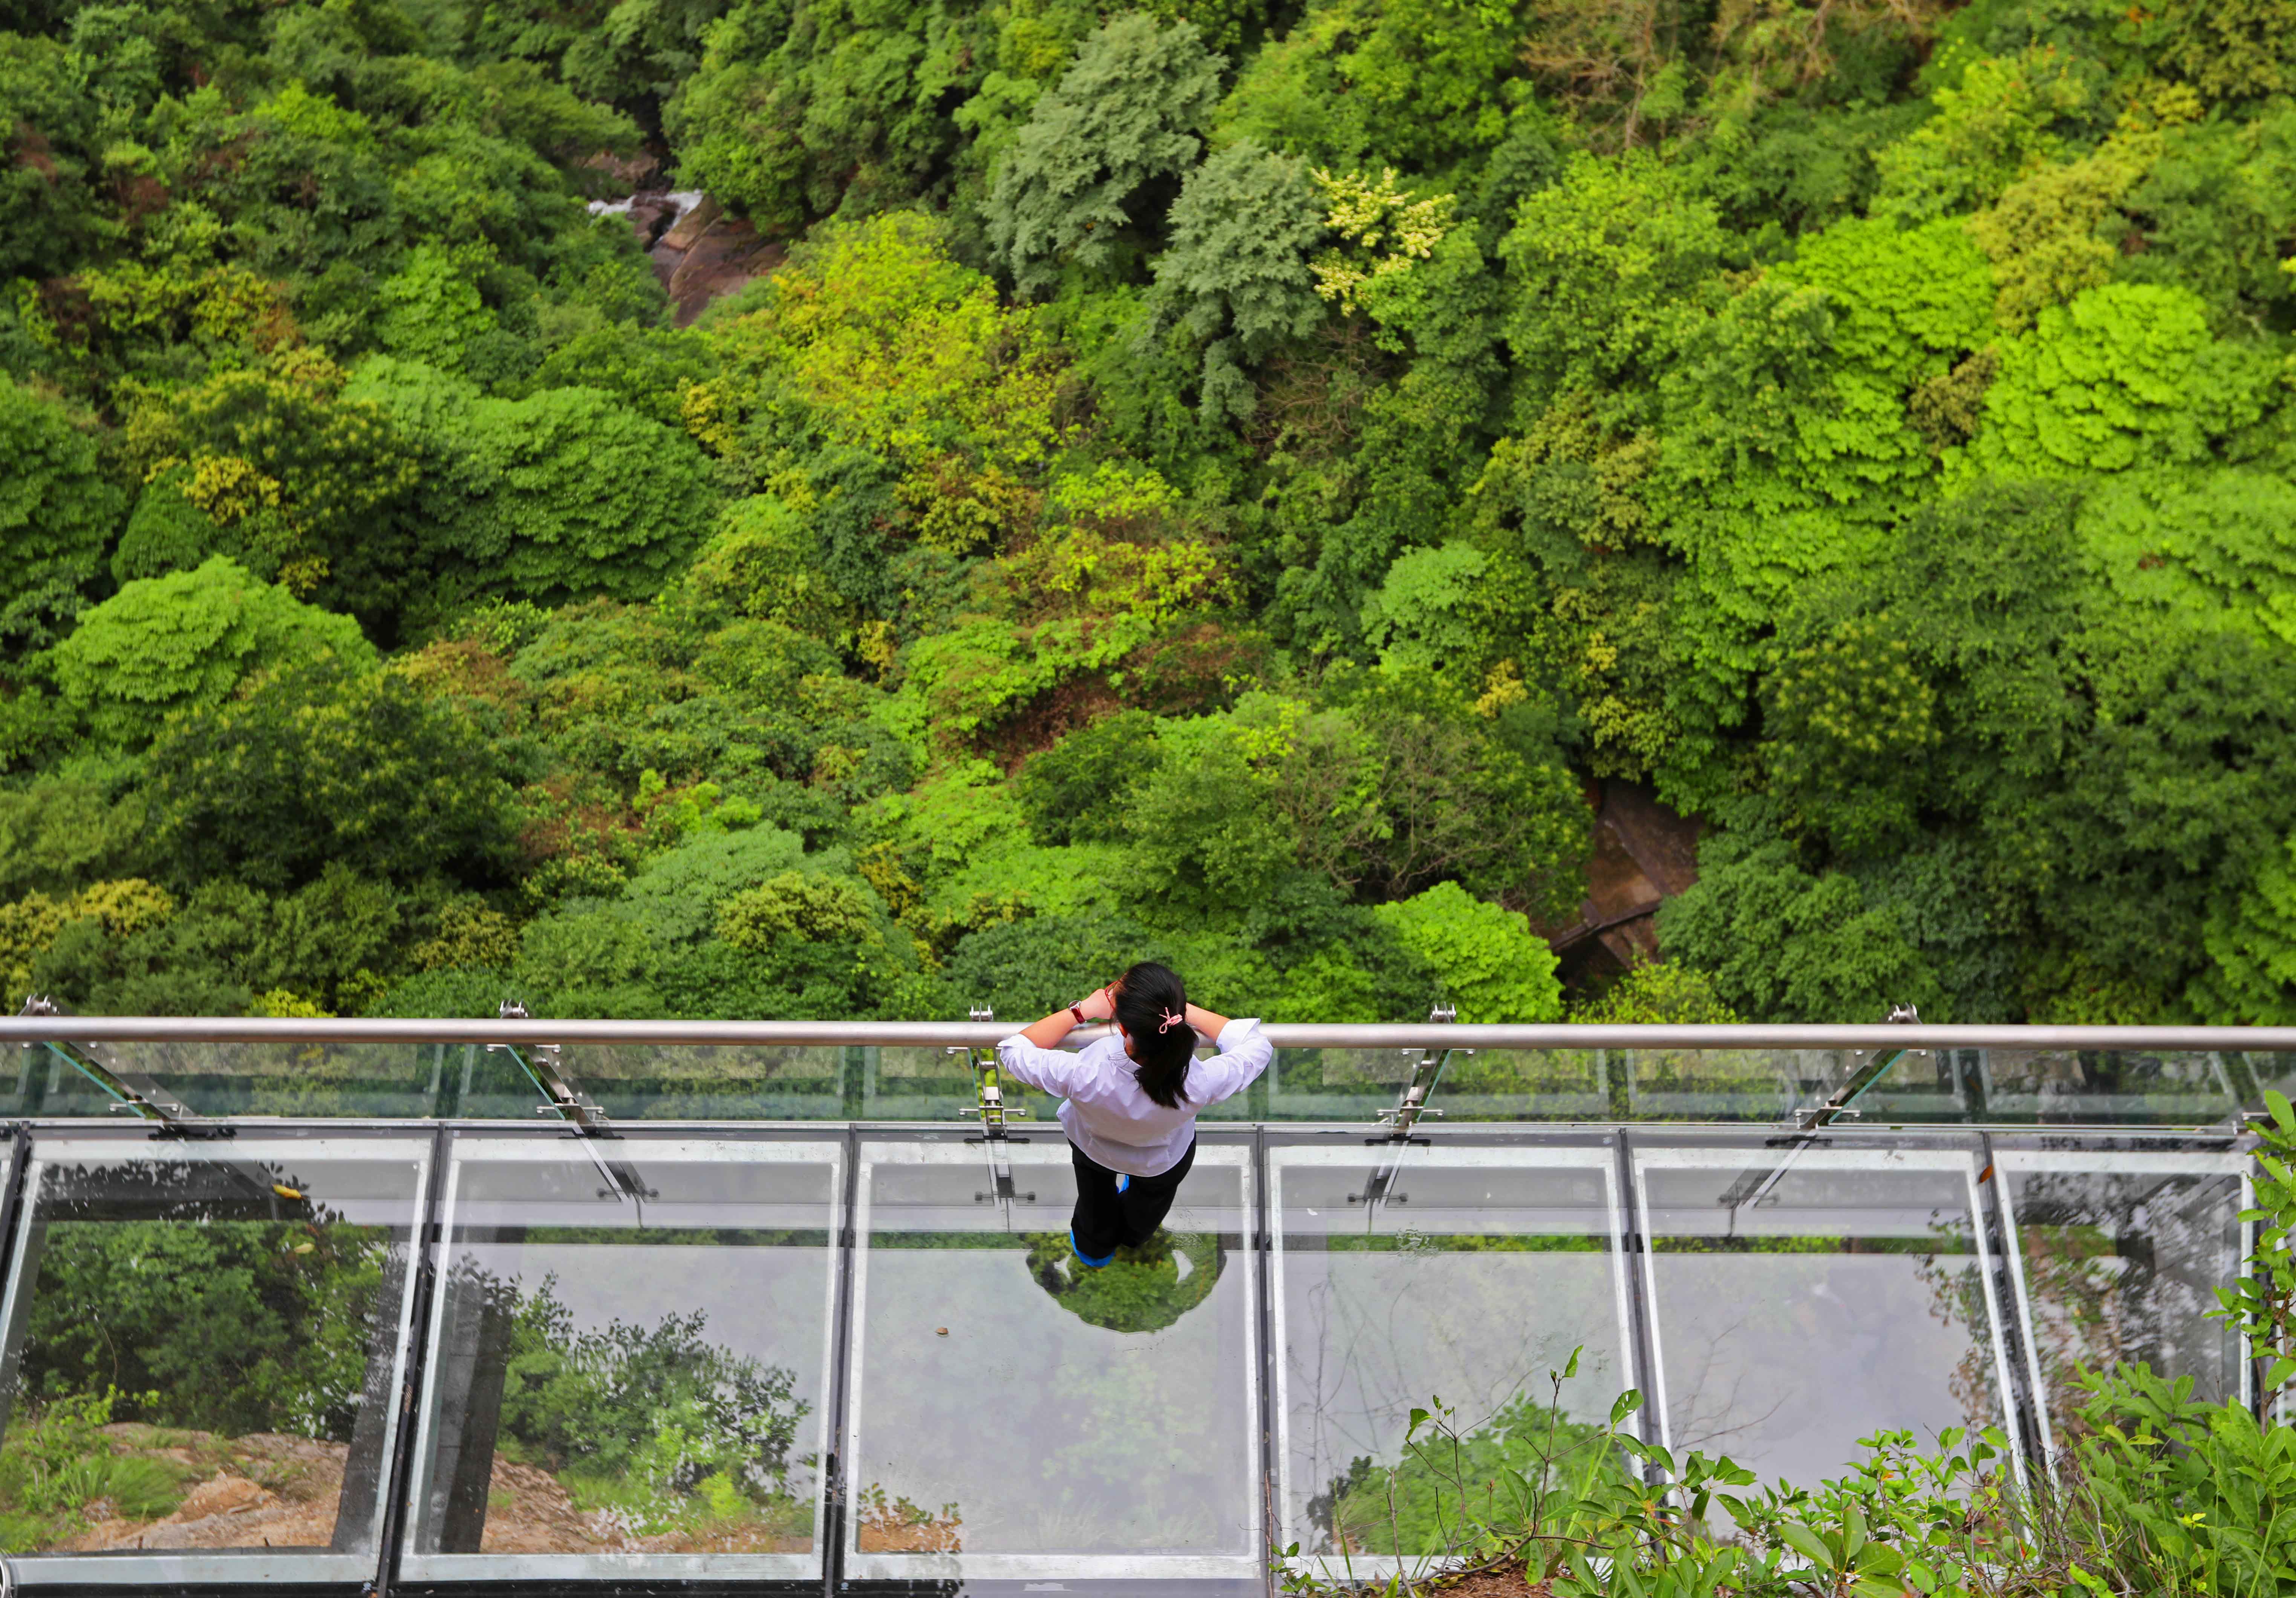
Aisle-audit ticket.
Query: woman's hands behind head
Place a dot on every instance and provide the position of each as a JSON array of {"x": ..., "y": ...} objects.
[{"x": 1098, "y": 1005}]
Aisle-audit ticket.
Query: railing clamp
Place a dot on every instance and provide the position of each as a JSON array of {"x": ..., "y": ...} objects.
[
  {"x": 996, "y": 1112},
  {"x": 129, "y": 1091}
]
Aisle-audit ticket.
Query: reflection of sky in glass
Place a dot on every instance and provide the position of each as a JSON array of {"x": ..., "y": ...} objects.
[
  {"x": 1473, "y": 1288},
  {"x": 766, "y": 1303},
  {"x": 1048, "y": 1435},
  {"x": 1848, "y": 1301}
]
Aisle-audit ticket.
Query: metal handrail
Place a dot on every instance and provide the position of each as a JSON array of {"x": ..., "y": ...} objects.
[{"x": 938, "y": 1034}]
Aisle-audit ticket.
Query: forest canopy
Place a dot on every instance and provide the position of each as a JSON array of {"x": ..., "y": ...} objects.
[{"x": 1224, "y": 481}]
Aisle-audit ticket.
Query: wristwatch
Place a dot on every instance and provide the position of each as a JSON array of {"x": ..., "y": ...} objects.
[{"x": 1078, "y": 1014}]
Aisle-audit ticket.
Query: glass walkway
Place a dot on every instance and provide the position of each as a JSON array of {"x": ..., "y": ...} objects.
[{"x": 568, "y": 1307}]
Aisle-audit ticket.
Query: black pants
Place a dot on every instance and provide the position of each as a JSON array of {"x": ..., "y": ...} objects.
[{"x": 1106, "y": 1220}]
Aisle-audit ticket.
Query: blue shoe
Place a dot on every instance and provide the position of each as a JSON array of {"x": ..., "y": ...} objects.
[
  {"x": 1122, "y": 1183},
  {"x": 1088, "y": 1259}
]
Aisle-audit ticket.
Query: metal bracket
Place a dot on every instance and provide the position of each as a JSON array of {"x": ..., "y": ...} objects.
[
  {"x": 1755, "y": 1187},
  {"x": 128, "y": 1089},
  {"x": 1409, "y": 1108},
  {"x": 544, "y": 1066},
  {"x": 995, "y": 1114}
]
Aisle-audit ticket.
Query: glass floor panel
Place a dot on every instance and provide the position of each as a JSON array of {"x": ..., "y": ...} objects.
[
  {"x": 2117, "y": 1255},
  {"x": 1804, "y": 1298},
  {"x": 1402, "y": 1275},
  {"x": 630, "y": 1348},
  {"x": 1015, "y": 1416},
  {"x": 211, "y": 1335}
]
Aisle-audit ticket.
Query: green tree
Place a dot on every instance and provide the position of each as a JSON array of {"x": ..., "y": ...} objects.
[
  {"x": 1124, "y": 117},
  {"x": 1489, "y": 963},
  {"x": 332, "y": 762},
  {"x": 57, "y": 513},
  {"x": 181, "y": 642},
  {"x": 1236, "y": 280},
  {"x": 564, "y": 495}
]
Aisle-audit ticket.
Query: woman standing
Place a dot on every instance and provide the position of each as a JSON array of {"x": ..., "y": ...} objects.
[{"x": 1128, "y": 1101}]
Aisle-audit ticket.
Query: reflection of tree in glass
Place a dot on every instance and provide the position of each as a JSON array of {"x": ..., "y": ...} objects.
[
  {"x": 631, "y": 1437},
  {"x": 1957, "y": 1299},
  {"x": 1143, "y": 1290},
  {"x": 658, "y": 1405},
  {"x": 197, "y": 1343},
  {"x": 2123, "y": 1267}
]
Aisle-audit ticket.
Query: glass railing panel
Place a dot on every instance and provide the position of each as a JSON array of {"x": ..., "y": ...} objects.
[
  {"x": 1805, "y": 1297},
  {"x": 2117, "y": 1255},
  {"x": 1334, "y": 1083},
  {"x": 1448, "y": 1270},
  {"x": 1527, "y": 1084},
  {"x": 629, "y": 1351},
  {"x": 2089, "y": 1086},
  {"x": 1017, "y": 1416},
  {"x": 695, "y": 1082},
  {"x": 1725, "y": 1085},
  {"x": 205, "y": 1346},
  {"x": 47, "y": 1081},
  {"x": 222, "y": 1081}
]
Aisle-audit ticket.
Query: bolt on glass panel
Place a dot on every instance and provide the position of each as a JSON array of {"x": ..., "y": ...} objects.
[
  {"x": 205, "y": 1346},
  {"x": 1805, "y": 1296},
  {"x": 1408, "y": 1273},
  {"x": 628, "y": 1358},
  {"x": 1015, "y": 1414},
  {"x": 2117, "y": 1255}
]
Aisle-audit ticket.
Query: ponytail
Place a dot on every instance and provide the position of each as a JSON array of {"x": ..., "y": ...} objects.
[{"x": 1152, "y": 1006}]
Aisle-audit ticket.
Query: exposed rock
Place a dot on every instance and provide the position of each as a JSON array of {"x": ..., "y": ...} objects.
[{"x": 1645, "y": 854}]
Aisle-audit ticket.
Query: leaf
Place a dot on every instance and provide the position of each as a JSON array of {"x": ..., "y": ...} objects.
[
  {"x": 2281, "y": 1111},
  {"x": 1572, "y": 1369},
  {"x": 2092, "y": 1582},
  {"x": 1853, "y": 1532},
  {"x": 1418, "y": 1419},
  {"x": 1627, "y": 1403},
  {"x": 1807, "y": 1542}
]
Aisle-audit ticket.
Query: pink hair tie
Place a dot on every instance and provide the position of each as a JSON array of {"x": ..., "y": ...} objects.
[{"x": 1170, "y": 1021}]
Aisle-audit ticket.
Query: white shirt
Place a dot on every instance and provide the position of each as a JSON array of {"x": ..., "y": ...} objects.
[{"x": 1110, "y": 1115}]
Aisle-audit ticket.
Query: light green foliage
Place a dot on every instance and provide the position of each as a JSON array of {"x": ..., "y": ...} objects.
[
  {"x": 1127, "y": 113},
  {"x": 2126, "y": 375},
  {"x": 795, "y": 906},
  {"x": 2228, "y": 49},
  {"x": 2211, "y": 548},
  {"x": 1609, "y": 266},
  {"x": 1658, "y": 993},
  {"x": 431, "y": 312},
  {"x": 566, "y": 494},
  {"x": 1843, "y": 714},
  {"x": 1488, "y": 960},
  {"x": 1428, "y": 614},
  {"x": 1421, "y": 81},
  {"x": 57, "y": 511},
  {"x": 182, "y": 642},
  {"x": 1236, "y": 277},
  {"x": 2006, "y": 116}
]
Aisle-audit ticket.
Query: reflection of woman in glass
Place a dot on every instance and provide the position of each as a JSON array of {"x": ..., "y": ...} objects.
[{"x": 1129, "y": 1101}]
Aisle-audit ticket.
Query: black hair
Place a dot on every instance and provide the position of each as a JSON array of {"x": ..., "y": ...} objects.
[{"x": 1152, "y": 1006}]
